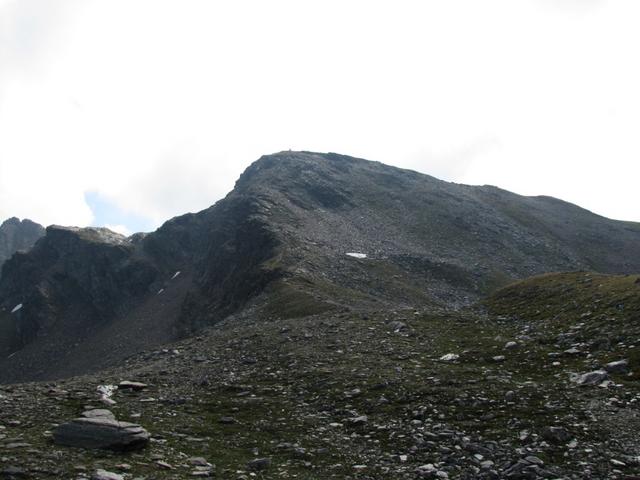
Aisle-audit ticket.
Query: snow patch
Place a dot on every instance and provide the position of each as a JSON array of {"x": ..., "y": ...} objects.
[
  {"x": 106, "y": 391},
  {"x": 16, "y": 308},
  {"x": 175, "y": 274},
  {"x": 160, "y": 291},
  {"x": 357, "y": 255}
]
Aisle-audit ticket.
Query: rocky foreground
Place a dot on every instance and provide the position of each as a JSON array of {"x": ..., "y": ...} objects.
[{"x": 406, "y": 394}]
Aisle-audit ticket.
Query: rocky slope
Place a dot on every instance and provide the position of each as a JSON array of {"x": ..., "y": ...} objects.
[
  {"x": 17, "y": 235},
  {"x": 400, "y": 394},
  {"x": 301, "y": 234}
]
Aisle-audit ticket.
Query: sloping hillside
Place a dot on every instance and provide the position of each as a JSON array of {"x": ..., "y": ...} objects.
[{"x": 598, "y": 314}]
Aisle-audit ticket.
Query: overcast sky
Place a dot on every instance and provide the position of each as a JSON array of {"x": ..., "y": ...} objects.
[{"x": 126, "y": 113}]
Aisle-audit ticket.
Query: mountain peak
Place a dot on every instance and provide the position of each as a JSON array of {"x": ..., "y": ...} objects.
[
  {"x": 301, "y": 233},
  {"x": 11, "y": 221}
]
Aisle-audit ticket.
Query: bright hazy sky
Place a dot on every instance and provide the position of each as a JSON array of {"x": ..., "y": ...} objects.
[{"x": 128, "y": 112}]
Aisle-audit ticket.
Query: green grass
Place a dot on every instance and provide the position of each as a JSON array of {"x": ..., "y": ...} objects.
[
  {"x": 566, "y": 294},
  {"x": 290, "y": 300}
]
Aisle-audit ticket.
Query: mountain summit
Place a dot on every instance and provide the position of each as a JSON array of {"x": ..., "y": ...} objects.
[{"x": 301, "y": 233}]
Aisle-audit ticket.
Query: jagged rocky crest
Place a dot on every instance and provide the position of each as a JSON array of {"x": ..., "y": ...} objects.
[
  {"x": 301, "y": 233},
  {"x": 16, "y": 235}
]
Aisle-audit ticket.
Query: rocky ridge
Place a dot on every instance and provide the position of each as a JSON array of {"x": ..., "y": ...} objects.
[{"x": 16, "y": 235}]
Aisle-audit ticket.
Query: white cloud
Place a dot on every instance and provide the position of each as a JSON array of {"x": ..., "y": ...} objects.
[
  {"x": 580, "y": 6},
  {"x": 159, "y": 105}
]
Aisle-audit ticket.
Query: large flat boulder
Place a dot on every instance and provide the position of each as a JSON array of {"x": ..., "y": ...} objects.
[{"x": 101, "y": 433}]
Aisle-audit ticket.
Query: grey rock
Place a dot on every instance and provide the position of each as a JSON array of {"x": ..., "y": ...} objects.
[
  {"x": 13, "y": 472},
  {"x": 619, "y": 366},
  {"x": 164, "y": 465},
  {"x": 556, "y": 434},
  {"x": 353, "y": 393},
  {"x": 510, "y": 396},
  {"x": 259, "y": 464},
  {"x": 101, "y": 433},
  {"x": 285, "y": 446},
  {"x": 227, "y": 420},
  {"x": 98, "y": 413},
  {"x": 361, "y": 420},
  {"x": 449, "y": 357},
  {"x": 128, "y": 385},
  {"x": 16, "y": 445},
  {"x": 398, "y": 326},
  {"x": 592, "y": 378},
  {"x": 105, "y": 475}
]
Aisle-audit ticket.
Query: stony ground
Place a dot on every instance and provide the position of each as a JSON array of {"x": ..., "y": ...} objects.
[{"x": 365, "y": 396}]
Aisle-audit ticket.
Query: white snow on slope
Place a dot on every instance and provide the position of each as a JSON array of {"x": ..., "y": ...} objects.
[{"x": 106, "y": 391}]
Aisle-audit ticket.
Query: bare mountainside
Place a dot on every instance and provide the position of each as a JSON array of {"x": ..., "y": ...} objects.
[
  {"x": 331, "y": 318},
  {"x": 301, "y": 233}
]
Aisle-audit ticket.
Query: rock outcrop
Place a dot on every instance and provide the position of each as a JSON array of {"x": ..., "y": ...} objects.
[{"x": 16, "y": 235}]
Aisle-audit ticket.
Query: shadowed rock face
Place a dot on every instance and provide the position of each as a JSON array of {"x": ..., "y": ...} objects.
[
  {"x": 96, "y": 296},
  {"x": 71, "y": 280},
  {"x": 17, "y": 235},
  {"x": 277, "y": 246}
]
